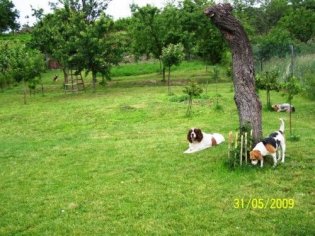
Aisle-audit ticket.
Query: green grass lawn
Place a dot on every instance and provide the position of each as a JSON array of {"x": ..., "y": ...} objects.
[{"x": 112, "y": 162}]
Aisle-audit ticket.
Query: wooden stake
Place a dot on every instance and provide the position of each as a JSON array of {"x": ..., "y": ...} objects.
[
  {"x": 235, "y": 154},
  {"x": 230, "y": 142},
  {"x": 241, "y": 151},
  {"x": 245, "y": 148}
]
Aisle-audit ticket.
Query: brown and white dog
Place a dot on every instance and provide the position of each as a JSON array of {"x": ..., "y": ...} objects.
[
  {"x": 199, "y": 140},
  {"x": 270, "y": 146},
  {"x": 283, "y": 107}
]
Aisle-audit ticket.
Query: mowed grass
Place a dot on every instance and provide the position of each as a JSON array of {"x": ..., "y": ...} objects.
[{"x": 112, "y": 162}]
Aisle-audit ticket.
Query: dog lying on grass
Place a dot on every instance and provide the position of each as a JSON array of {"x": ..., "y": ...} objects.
[
  {"x": 286, "y": 107},
  {"x": 199, "y": 140},
  {"x": 270, "y": 146}
]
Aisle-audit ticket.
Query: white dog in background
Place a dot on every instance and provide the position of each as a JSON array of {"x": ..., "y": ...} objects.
[{"x": 199, "y": 140}]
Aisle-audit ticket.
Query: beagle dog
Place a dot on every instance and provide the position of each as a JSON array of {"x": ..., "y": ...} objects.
[
  {"x": 270, "y": 146},
  {"x": 199, "y": 140}
]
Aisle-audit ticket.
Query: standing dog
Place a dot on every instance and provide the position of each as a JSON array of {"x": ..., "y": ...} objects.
[
  {"x": 270, "y": 146},
  {"x": 199, "y": 140}
]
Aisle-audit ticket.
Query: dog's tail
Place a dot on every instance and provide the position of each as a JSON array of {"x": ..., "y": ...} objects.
[{"x": 281, "y": 129}]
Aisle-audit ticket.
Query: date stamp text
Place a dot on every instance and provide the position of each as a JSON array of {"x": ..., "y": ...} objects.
[{"x": 263, "y": 203}]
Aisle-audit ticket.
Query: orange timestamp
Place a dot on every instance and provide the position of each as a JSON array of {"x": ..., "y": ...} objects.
[{"x": 264, "y": 203}]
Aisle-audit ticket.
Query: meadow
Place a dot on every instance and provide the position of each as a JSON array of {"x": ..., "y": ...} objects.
[{"x": 112, "y": 163}]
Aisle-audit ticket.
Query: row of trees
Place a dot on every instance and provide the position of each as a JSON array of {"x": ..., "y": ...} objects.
[
  {"x": 81, "y": 37},
  {"x": 94, "y": 44}
]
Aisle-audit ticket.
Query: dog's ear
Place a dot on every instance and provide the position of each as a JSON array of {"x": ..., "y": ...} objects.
[
  {"x": 213, "y": 141},
  {"x": 251, "y": 155},
  {"x": 275, "y": 107},
  {"x": 199, "y": 135},
  {"x": 255, "y": 155},
  {"x": 189, "y": 136}
]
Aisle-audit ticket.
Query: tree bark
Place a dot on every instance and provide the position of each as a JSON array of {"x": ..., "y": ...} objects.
[
  {"x": 65, "y": 74},
  {"x": 94, "y": 80},
  {"x": 169, "y": 80},
  {"x": 246, "y": 99}
]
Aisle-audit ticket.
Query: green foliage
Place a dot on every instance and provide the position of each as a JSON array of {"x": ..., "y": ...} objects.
[
  {"x": 146, "y": 31},
  {"x": 132, "y": 69},
  {"x": 239, "y": 146},
  {"x": 19, "y": 63},
  {"x": 8, "y": 16},
  {"x": 268, "y": 81},
  {"x": 192, "y": 91},
  {"x": 152, "y": 29},
  {"x": 78, "y": 43},
  {"x": 97, "y": 48},
  {"x": 91, "y": 9},
  {"x": 17, "y": 36},
  {"x": 172, "y": 55},
  {"x": 300, "y": 23},
  {"x": 293, "y": 87},
  {"x": 275, "y": 43},
  {"x": 54, "y": 35}
]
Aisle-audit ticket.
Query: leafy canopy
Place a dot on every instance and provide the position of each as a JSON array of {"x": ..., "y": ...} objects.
[
  {"x": 8, "y": 16},
  {"x": 173, "y": 54}
]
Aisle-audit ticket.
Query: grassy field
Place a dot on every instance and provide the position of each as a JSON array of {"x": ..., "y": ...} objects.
[{"x": 112, "y": 162}]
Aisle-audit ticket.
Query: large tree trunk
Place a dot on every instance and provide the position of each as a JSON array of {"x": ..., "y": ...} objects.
[{"x": 246, "y": 99}]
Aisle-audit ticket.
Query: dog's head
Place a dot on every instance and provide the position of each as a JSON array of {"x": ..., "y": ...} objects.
[
  {"x": 275, "y": 107},
  {"x": 255, "y": 156},
  {"x": 194, "y": 135}
]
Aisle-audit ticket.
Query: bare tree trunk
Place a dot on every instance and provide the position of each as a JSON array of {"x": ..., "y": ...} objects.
[
  {"x": 268, "y": 100},
  {"x": 246, "y": 99},
  {"x": 94, "y": 81},
  {"x": 65, "y": 74},
  {"x": 169, "y": 80}
]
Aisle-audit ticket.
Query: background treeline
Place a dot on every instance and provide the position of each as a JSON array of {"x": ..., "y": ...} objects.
[{"x": 81, "y": 37}]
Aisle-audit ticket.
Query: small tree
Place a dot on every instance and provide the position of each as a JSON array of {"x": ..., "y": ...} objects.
[
  {"x": 268, "y": 81},
  {"x": 20, "y": 64},
  {"x": 173, "y": 54},
  {"x": 97, "y": 49},
  {"x": 192, "y": 90},
  {"x": 293, "y": 87}
]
